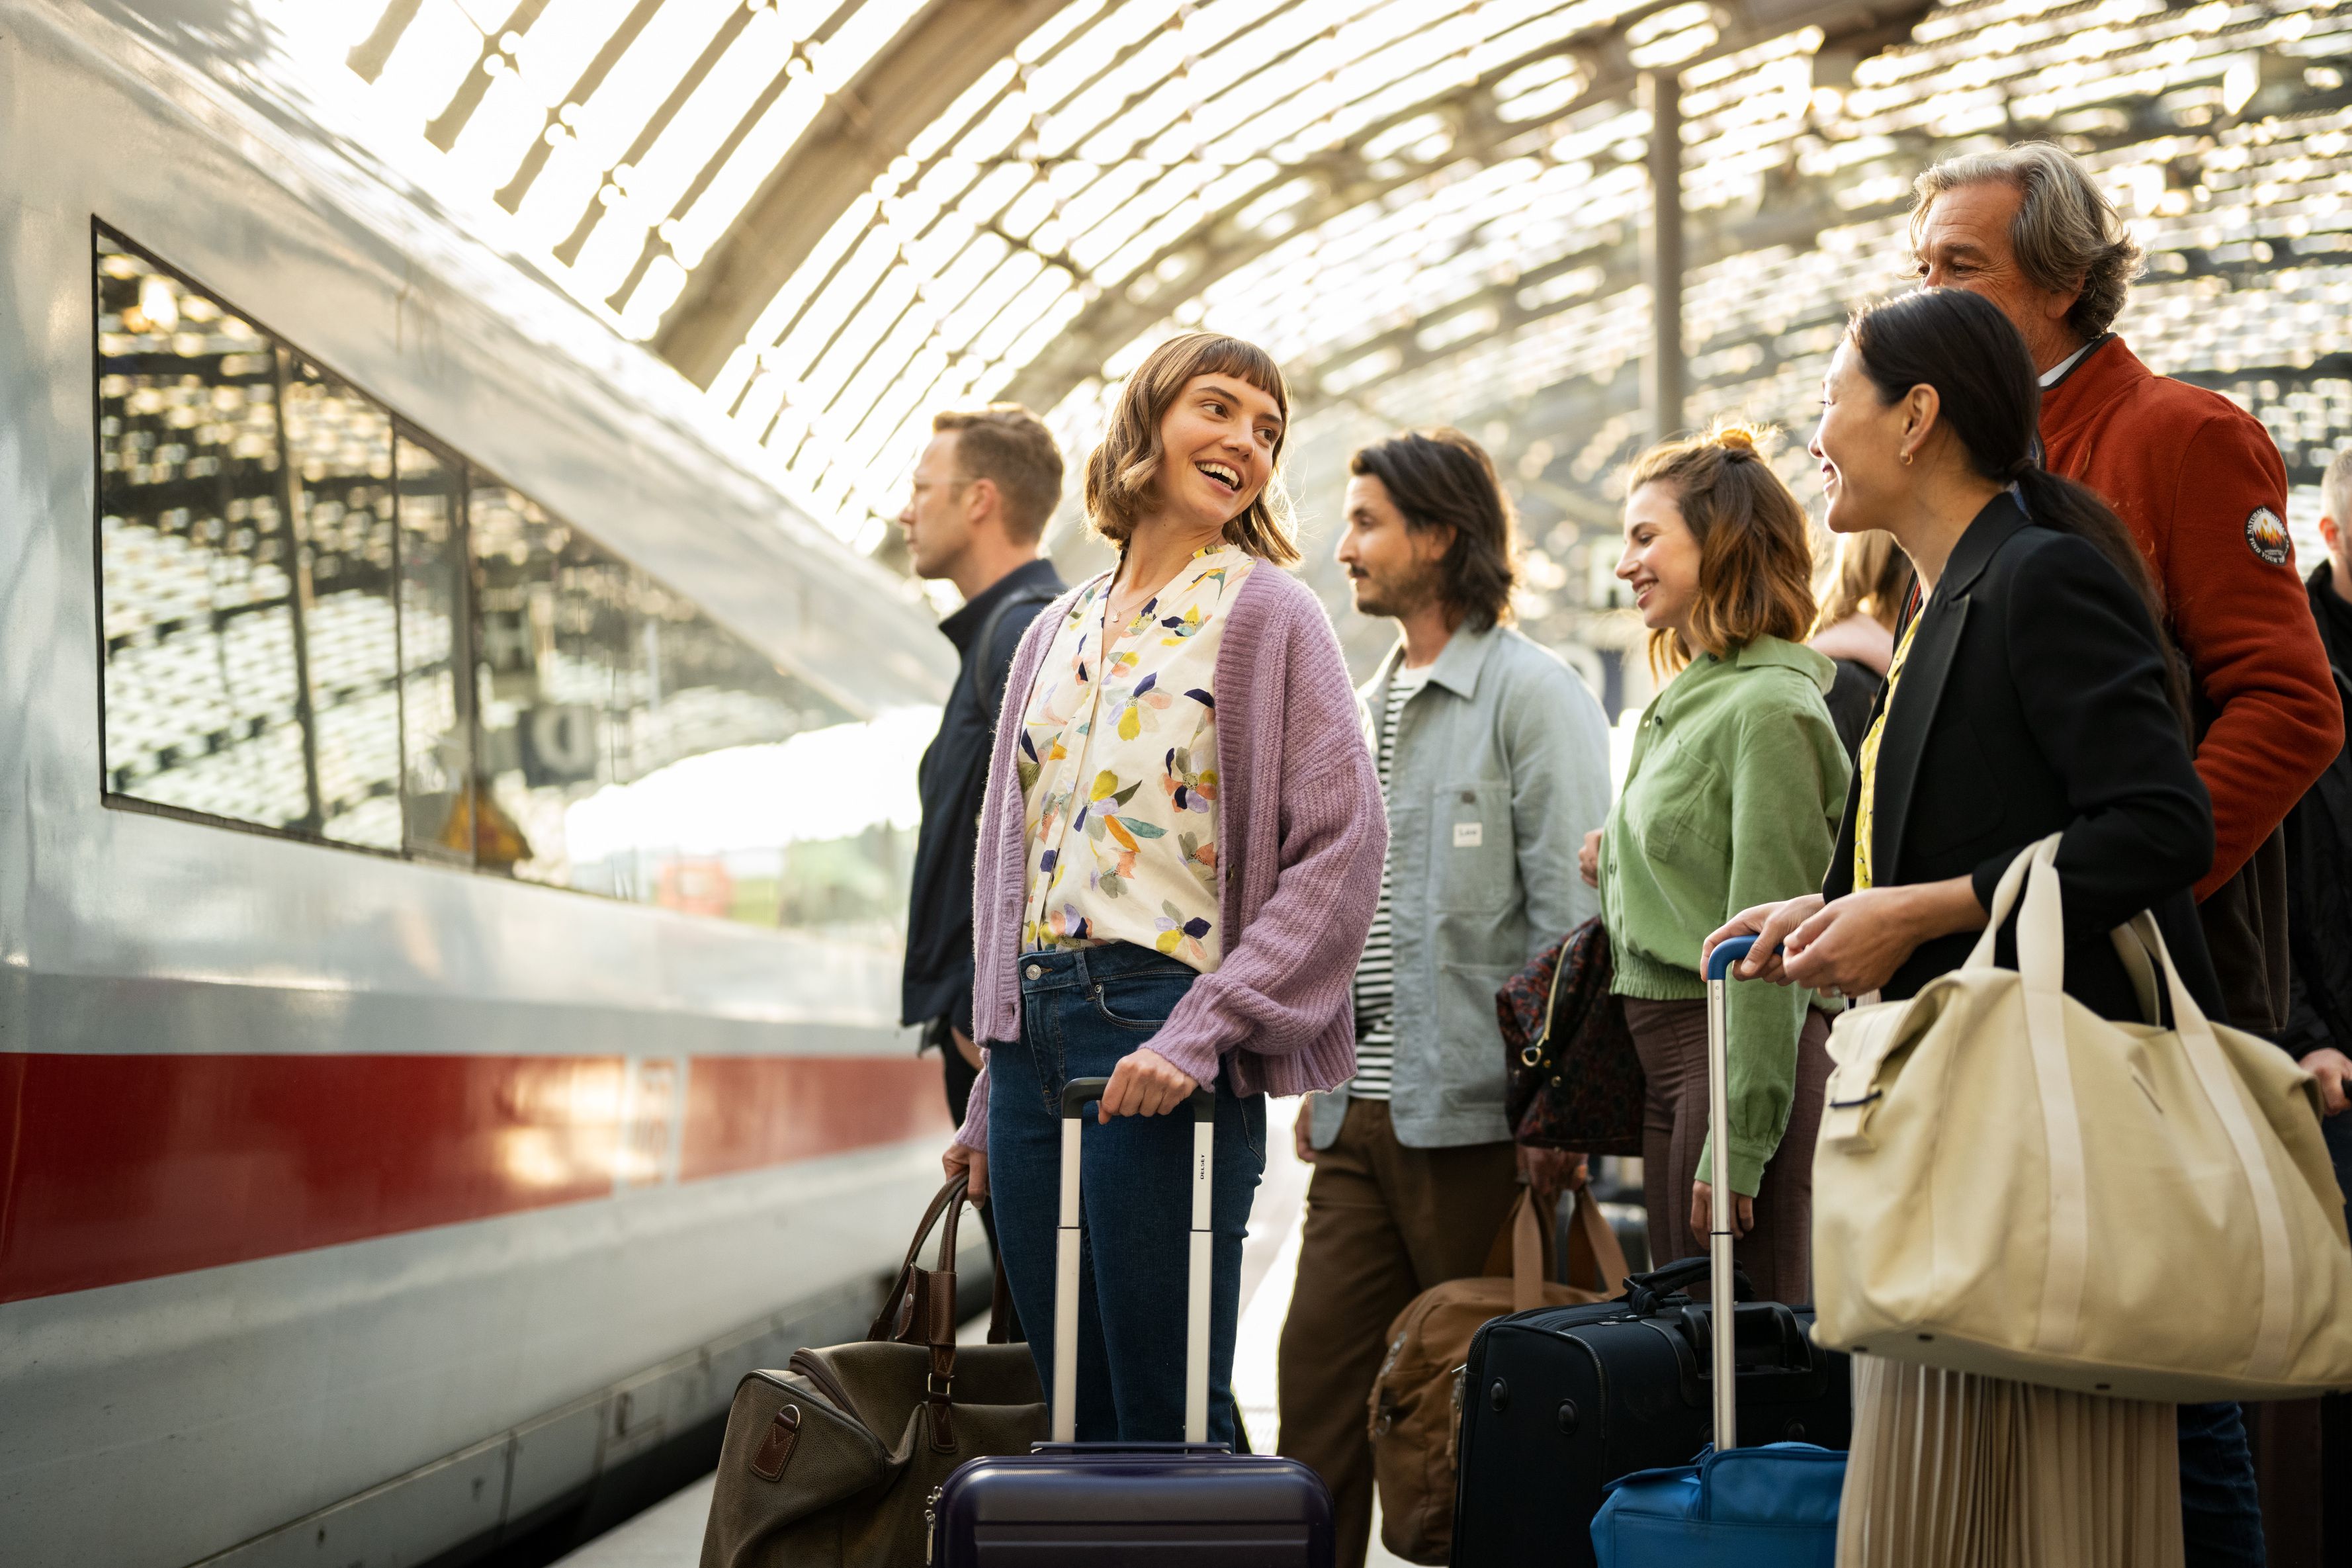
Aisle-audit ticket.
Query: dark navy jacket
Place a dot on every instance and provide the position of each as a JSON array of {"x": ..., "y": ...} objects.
[{"x": 954, "y": 772}]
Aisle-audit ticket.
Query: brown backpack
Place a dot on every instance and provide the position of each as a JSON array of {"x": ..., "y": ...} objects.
[
  {"x": 833, "y": 1462},
  {"x": 1416, "y": 1410}
]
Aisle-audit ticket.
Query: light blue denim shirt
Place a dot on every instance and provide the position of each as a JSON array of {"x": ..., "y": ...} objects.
[{"x": 1501, "y": 769}]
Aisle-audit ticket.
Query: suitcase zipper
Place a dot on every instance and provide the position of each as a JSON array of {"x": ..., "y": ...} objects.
[{"x": 932, "y": 1521}]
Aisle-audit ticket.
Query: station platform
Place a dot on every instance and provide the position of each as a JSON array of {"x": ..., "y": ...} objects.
[{"x": 670, "y": 1534}]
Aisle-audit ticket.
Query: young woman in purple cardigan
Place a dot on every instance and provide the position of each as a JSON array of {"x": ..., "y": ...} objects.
[{"x": 1179, "y": 858}]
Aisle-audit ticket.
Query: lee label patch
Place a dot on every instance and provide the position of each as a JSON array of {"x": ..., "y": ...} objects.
[
  {"x": 2266, "y": 535},
  {"x": 1469, "y": 835}
]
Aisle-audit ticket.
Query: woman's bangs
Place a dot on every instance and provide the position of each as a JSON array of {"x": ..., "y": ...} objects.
[{"x": 1236, "y": 357}]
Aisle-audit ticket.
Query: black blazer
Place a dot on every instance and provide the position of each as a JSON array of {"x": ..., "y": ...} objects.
[{"x": 2032, "y": 700}]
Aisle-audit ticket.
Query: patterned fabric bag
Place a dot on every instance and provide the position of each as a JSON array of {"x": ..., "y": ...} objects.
[{"x": 1574, "y": 1081}]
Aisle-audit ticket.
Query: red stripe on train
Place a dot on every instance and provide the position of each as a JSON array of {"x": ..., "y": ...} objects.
[{"x": 115, "y": 1168}]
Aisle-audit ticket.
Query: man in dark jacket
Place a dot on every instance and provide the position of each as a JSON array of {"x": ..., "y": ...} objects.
[
  {"x": 2319, "y": 846},
  {"x": 2318, "y": 1443},
  {"x": 982, "y": 491}
]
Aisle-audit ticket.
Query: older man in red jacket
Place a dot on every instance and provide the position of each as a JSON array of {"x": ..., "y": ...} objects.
[{"x": 2202, "y": 487}]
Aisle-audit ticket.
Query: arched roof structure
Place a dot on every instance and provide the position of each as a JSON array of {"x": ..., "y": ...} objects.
[{"x": 838, "y": 215}]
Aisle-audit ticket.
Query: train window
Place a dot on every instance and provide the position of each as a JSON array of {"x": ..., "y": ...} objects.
[
  {"x": 324, "y": 621},
  {"x": 205, "y": 699}
]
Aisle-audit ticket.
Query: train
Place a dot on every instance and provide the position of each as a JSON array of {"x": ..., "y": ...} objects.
[{"x": 452, "y": 857}]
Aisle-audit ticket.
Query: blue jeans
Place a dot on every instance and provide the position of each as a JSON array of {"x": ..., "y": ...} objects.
[
  {"x": 2221, "y": 1512},
  {"x": 1081, "y": 1012}
]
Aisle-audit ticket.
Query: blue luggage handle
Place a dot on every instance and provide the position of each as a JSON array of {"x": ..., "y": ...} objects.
[{"x": 1727, "y": 952}]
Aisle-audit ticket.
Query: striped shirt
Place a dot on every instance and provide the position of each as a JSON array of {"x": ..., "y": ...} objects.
[{"x": 1376, "y": 971}]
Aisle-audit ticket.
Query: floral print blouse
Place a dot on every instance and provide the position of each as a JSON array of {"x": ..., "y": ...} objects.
[{"x": 1119, "y": 770}]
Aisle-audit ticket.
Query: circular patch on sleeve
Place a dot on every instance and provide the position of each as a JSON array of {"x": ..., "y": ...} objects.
[{"x": 2266, "y": 535}]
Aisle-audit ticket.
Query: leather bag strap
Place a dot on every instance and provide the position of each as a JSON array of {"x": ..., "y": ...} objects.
[
  {"x": 892, "y": 1322},
  {"x": 1593, "y": 1242},
  {"x": 1526, "y": 1254},
  {"x": 921, "y": 1309}
]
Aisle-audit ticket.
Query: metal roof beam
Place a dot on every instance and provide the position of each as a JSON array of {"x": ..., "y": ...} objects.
[
  {"x": 1220, "y": 244},
  {"x": 947, "y": 46}
]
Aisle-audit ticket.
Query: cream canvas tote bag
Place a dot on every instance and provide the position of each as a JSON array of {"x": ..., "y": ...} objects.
[{"x": 2007, "y": 1183}]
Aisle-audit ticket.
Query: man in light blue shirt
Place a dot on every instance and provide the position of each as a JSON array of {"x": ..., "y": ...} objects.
[{"x": 1494, "y": 764}]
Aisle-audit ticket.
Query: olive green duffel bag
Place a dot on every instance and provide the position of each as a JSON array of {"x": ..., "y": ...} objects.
[{"x": 833, "y": 1462}]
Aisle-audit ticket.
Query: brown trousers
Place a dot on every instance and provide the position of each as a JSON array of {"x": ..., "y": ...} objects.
[
  {"x": 1671, "y": 1039},
  {"x": 1384, "y": 1223}
]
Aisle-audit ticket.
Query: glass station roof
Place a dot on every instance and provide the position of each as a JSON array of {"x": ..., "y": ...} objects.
[{"x": 840, "y": 216}]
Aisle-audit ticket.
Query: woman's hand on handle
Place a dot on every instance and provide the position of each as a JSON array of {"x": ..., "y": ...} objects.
[
  {"x": 1145, "y": 1083},
  {"x": 1855, "y": 944},
  {"x": 1588, "y": 859},
  {"x": 1769, "y": 924},
  {"x": 1551, "y": 1172},
  {"x": 1702, "y": 1215},
  {"x": 960, "y": 1161}
]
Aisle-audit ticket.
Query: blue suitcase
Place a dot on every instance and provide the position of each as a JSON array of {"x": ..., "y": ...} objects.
[
  {"x": 1771, "y": 1507},
  {"x": 1168, "y": 1505}
]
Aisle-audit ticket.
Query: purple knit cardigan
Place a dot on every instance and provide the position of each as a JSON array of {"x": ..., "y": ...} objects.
[{"x": 1300, "y": 839}]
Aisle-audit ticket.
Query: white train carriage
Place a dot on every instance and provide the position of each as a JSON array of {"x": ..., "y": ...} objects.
[{"x": 451, "y": 850}]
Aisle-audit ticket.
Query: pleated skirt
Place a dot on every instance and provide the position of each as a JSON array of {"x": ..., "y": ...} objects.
[{"x": 1950, "y": 1471}]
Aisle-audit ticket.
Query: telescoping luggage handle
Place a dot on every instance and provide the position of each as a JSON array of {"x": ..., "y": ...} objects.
[
  {"x": 1077, "y": 1095},
  {"x": 1728, "y": 952}
]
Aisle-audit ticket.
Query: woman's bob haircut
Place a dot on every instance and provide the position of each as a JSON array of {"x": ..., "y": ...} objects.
[
  {"x": 1122, "y": 469},
  {"x": 1755, "y": 554}
]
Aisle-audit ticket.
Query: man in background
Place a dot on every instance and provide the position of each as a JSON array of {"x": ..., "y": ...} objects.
[
  {"x": 2203, "y": 490},
  {"x": 983, "y": 489},
  {"x": 2319, "y": 1021},
  {"x": 2319, "y": 848},
  {"x": 1494, "y": 764}
]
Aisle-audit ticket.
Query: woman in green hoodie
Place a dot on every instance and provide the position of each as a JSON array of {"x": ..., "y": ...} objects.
[{"x": 1733, "y": 797}]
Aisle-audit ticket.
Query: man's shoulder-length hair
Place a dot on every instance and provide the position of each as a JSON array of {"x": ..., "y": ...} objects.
[{"x": 1443, "y": 478}]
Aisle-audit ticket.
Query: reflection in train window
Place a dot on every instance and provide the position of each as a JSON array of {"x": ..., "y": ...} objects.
[
  {"x": 436, "y": 705},
  {"x": 204, "y": 690},
  {"x": 296, "y": 586},
  {"x": 600, "y": 691},
  {"x": 339, "y": 447}
]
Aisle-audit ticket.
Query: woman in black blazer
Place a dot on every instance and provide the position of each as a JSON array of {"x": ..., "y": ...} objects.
[{"x": 2031, "y": 693}]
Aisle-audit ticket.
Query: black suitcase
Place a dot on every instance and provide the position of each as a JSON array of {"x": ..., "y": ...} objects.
[
  {"x": 1168, "y": 1505},
  {"x": 1559, "y": 1401}
]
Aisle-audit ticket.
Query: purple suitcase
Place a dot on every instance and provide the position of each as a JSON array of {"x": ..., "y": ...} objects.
[{"x": 1168, "y": 1505}]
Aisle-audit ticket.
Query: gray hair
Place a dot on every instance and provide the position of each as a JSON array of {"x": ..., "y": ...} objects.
[
  {"x": 2067, "y": 233},
  {"x": 2336, "y": 489}
]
